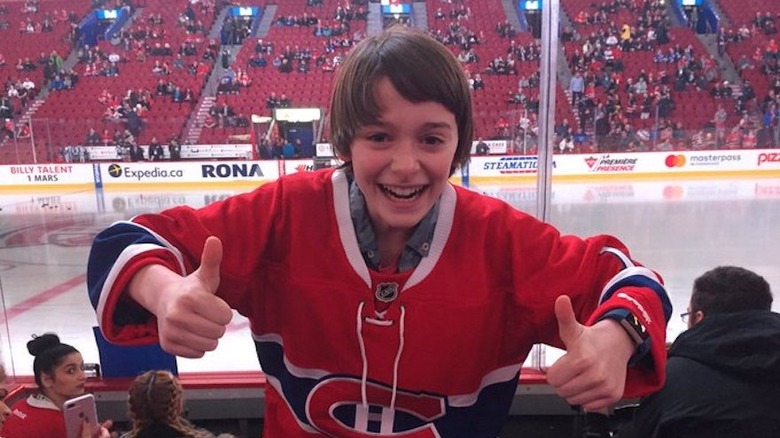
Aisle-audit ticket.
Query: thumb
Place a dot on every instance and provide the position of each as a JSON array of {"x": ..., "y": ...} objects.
[
  {"x": 210, "y": 260},
  {"x": 569, "y": 329}
]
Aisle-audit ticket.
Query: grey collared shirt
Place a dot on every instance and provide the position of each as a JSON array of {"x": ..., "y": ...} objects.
[{"x": 416, "y": 247}]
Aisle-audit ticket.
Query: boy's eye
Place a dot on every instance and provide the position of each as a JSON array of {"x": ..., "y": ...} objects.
[
  {"x": 433, "y": 140},
  {"x": 378, "y": 137}
]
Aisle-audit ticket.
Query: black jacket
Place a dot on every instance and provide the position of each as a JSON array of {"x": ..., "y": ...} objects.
[{"x": 723, "y": 380}]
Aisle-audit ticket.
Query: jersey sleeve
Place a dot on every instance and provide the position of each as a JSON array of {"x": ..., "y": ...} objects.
[
  {"x": 175, "y": 238},
  {"x": 599, "y": 276}
]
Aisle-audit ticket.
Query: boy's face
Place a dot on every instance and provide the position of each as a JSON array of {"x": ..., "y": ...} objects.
[{"x": 402, "y": 162}]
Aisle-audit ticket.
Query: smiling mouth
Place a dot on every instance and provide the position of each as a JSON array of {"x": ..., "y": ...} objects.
[{"x": 405, "y": 193}]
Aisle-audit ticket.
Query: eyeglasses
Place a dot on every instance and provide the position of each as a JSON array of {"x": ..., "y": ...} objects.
[{"x": 685, "y": 316}]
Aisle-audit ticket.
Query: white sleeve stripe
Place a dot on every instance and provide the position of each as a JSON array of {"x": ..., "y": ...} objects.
[
  {"x": 627, "y": 262},
  {"x": 625, "y": 273}
]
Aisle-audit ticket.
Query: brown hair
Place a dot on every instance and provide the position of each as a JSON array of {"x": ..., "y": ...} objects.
[
  {"x": 421, "y": 70},
  {"x": 730, "y": 289},
  {"x": 156, "y": 397}
]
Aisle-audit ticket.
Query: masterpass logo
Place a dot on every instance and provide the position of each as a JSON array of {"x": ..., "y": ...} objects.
[
  {"x": 514, "y": 165},
  {"x": 713, "y": 159},
  {"x": 607, "y": 164},
  {"x": 117, "y": 171}
]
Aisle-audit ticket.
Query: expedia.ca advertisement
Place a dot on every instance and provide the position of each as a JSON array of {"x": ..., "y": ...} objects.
[{"x": 188, "y": 172}]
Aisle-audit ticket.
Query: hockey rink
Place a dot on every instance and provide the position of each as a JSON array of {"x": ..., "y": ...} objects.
[{"x": 678, "y": 228}]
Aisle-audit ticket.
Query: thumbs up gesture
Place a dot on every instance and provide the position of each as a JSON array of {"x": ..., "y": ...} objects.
[
  {"x": 190, "y": 317},
  {"x": 592, "y": 373}
]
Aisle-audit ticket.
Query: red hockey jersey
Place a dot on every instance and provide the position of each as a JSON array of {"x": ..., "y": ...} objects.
[
  {"x": 34, "y": 417},
  {"x": 441, "y": 360}
]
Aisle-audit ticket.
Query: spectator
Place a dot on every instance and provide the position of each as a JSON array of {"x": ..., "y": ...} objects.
[
  {"x": 482, "y": 147},
  {"x": 93, "y": 138},
  {"x": 174, "y": 149},
  {"x": 155, "y": 150},
  {"x": 59, "y": 374},
  {"x": 156, "y": 408},
  {"x": 566, "y": 144},
  {"x": 577, "y": 88},
  {"x": 723, "y": 373}
]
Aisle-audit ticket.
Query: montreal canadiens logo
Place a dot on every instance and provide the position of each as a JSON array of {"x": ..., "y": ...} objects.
[{"x": 335, "y": 407}]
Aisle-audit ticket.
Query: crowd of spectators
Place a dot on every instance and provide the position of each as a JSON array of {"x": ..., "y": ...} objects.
[{"x": 612, "y": 108}]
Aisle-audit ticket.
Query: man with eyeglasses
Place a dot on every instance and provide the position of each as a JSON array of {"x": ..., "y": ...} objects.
[{"x": 723, "y": 373}]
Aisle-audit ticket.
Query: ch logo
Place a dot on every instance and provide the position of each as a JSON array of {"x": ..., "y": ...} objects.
[{"x": 335, "y": 408}]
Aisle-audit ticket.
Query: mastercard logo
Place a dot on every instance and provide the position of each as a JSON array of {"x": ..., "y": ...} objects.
[{"x": 675, "y": 161}]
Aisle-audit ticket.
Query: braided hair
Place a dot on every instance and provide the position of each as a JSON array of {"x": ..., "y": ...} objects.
[{"x": 156, "y": 398}]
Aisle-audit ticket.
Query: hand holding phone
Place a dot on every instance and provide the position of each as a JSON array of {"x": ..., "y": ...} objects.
[{"x": 77, "y": 411}]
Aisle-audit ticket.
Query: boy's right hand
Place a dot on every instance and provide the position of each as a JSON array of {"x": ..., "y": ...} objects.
[{"x": 190, "y": 317}]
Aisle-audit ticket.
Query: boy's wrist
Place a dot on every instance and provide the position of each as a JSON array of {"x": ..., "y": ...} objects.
[
  {"x": 634, "y": 330},
  {"x": 623, "y": 344}
]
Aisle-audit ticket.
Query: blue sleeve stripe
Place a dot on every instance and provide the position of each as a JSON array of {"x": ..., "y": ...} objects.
[
  {"x": 112, "y": 249},
  {"x": 638, "y": 277}
]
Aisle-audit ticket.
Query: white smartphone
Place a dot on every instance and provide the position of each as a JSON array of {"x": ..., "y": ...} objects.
[{"x": 78, "y": 409}]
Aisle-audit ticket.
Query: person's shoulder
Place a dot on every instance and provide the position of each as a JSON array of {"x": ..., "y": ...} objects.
[
  {"x": 34, "y": 417},
  {"x": 304, "y": 176}
]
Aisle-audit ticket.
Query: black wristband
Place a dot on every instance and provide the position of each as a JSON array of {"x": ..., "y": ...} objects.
[{"x": 635, "y": 330}]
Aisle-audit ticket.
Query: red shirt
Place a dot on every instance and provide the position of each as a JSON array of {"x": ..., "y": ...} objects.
[{"x": 34, "y": 417}]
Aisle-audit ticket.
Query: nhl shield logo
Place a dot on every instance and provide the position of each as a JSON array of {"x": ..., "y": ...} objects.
[{"x": 386, "y": 292}]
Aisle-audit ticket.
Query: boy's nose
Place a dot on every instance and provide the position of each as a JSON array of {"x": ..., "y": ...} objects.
[{"x": 405, "y": 158}]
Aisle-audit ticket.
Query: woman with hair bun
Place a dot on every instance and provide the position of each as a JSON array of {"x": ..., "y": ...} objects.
[
  {"x": 156, "y": 405},
  {"x": 59, "y": 374}
]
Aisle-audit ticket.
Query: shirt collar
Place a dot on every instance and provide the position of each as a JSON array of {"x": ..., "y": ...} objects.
[{"x": 417, "y": 247}]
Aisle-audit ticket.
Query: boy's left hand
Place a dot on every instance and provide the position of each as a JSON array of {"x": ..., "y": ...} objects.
[{"x": 592, "y": 373}]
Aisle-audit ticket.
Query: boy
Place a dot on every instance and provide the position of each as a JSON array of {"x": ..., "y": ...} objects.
[{"x": 382, "y": 299}]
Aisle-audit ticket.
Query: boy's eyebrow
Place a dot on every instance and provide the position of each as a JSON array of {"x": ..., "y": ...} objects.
[
  {"x": 424, "y": 126},
  {"x": 436, "y": 125}
]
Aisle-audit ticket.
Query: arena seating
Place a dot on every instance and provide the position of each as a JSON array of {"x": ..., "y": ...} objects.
[
  {"x": 693, "y": 108},
  {"x": 743, "y": 12},
  {"x": 64, "y": 117},
  {"x": 20, "y": 45},
  {"x": 310, "y": 89},
  {"x": 165, "y": 119}
]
